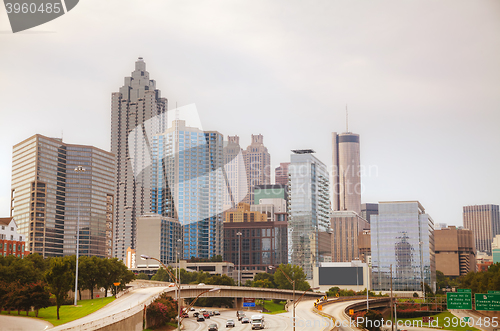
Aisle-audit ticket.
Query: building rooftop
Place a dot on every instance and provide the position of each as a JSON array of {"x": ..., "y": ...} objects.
[
  {"x": 5, "y": 220},
  {"x": 303, "y": 151}
]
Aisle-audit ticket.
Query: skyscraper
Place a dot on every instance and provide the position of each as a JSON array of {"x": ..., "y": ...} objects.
[
  {"x": 484, "y": 221},
  {"x": 346, "y": 226},
  {"x": 308, "y": 208},
  {"x": 234, "y": 165},
  {"x": 402, "y": 235},
  {"x": 137, "y": 113},
  {"x": 187, "y": 183},
  {"x": 346, "y": 172},
  {"x": 258, "y": 165},
  {"x": 455, "y": 251},
  {"x": 48, "y": 196},
  {"x": 281, "y": 174}
]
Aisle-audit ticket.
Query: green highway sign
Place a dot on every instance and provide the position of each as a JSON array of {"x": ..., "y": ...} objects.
[
  {"x": 488, "y": 301},
  {"x": 465, "y": 319},
  {"x": 459, "y": 300},
  {"x": 467, "y": 290},
  {"x": 493, "y": 292}
]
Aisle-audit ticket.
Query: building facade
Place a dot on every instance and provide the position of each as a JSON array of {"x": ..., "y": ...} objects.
[
  {"x": 257, "y": 164},
  {"x": 281, "y": 174},
  {"x": 368, "y": 209},
  {"x": 455, "y": 251},
  {"x": 158, "y": 236},
  {"x": 263, "y": 241},
  {"x": 187, "y": 184},
  {"x": 346, "y": 172},
  {"x": 276, "y": 191},
  {"x": 236, "y": 176},
  {"x": 308, "y": 209},
  {"x": 49, "y": 196},
  {"x": 402, "y": 235},
  {"x": 11, "y": 241},
  {"x": 137, "y": 109},
  {"x": 346, "y": 227},
  {"x": 484, "y": 221}
]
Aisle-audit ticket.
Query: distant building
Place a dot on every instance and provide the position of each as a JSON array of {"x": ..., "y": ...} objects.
[
  {"x": 495, "y": 247},
  {"x": 455, "y": 251},
  {"x": 308, "y": 209},
  {"x": 263, "y": 240},
  {"x": 281, "y": 174},
  {"x": 365, "y": 247},
  {"x": 276, "y": 191},
  {"x": 346, "y": 172},
  {"x": 484, "y": 221},
  {"x": 346, "y": 226},
  {"x": 159, "y": 237},
  {"x": 345, "y": 275},
  {"x": 402, "y": 236},
  {"x": 368, "y": 209},
  {"x": 11, "y": 241},
  {"x": 234, "y": 165},
  {"x": 49, "y": 196},
  {"x": 258, "y": 165},
  {"x": 130, "y": 262}
]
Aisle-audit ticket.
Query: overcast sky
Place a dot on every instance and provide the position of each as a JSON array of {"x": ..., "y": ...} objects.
[{"x": 421, "y": 80}]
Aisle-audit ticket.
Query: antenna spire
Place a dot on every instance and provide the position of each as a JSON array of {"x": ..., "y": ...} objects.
[{"x": 346, "y": 118}]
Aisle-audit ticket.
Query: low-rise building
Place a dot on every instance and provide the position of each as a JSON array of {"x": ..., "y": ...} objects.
[
  {"x": 455, "y": 251},
  {"x": 11, "y": 242}
]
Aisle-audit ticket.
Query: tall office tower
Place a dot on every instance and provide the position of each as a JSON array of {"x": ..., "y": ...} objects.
[
  {"x": 484, "y": 221},
  {"x": 346, "y": 226},
  {"x": 346, "y": 172},
  {"x": 402, "y": 235},
  {"x": 236, "y": 177},
  {"x": 368, "y": 209},
  {"x": 258, "y": 165},
  {"x": 281, "y": 174},
  {"x": 137, "y": 112},
  {"x": 188, "y": 168},
  {"x": 308, "y": 208},
  {"x": 455, "y": 251},
  {"x": 48, "y": 195}
]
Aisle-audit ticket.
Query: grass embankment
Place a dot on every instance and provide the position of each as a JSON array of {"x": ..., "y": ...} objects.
[
  {"x": 442, "y": 320},
  {"x": 67, "y": 313},
  {"x": 274, "y": 308}
]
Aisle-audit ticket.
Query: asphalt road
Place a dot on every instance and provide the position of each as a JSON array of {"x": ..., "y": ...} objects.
[{"x": 20, "y": 323}]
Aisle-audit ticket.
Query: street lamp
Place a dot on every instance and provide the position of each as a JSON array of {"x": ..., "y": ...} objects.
[
  {"x": 293, "y": 295},
  {"x": 312, "y": 289},
  {"x": 217, "y": 289},
  {"x": 147, "y": 257},
  {"x": 179, "y": 284},
  {"x": 421, "y": 243},
  {"x": 239, "y": 234},
  {"x": 78, "y": 171}
]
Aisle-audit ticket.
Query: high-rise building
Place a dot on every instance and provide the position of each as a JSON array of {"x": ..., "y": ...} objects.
[
  {"x": 258, "y": 165},
  {"x": 236, "y": 176},
  {"x": 277, "y": 191},
  {"x": 136, "y": 110},
  {"x": 346, "y": 226},
  {"x": 281, "y": 174},
  {"x": 187, "y": 184},
  {"x": 484, "y": 221},
  {"x": 48, "y": 197},
  {"x": 368, "y": 209},
  {"x": 263, "y": 240},
  {"x": 308, "y": 208},
  {"x": 402, "y": 235},
  {"x": 346, "y": 172},
  {"x": 455, "y": 251}
]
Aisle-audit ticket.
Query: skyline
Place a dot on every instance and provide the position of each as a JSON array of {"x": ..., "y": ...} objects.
[{"x": 423, "y": 97}]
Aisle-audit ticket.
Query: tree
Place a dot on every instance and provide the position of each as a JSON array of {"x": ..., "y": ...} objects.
[
  {"x": 162, "y": 275},
  {"x": 114, "y": 271},
  {"x": 264, "y": 278},
  {"x": 220, "y": 280},
  {"x": 60, "y": 277},
  {"x": 372, "y": 320},
  {"x": 263, "y": 283},
  {"x": 39, "y": 296},
  {"x": 142, "y": 275},
  {"x": 296, "y": 273},
  {"x": 88, "y": 273}
]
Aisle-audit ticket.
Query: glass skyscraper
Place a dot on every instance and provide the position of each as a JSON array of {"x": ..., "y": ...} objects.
[
  {"x": 402, "y": 235},
  {"x": 187, "y": 173},
  {"x": 308, "y": 209}
]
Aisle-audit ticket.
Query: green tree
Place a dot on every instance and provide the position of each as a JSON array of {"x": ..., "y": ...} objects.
[
  {"x": 89, "y": 273},
  {"x": 114, "y": 271},
  {"x": 162, "y": 275},
  {"x": 263, "y": 283},
  {"x": 264, "y": 276},
  {"x": 39, "y": 296},
  {"x": 296, "y": 273},
  {"x": 142, "y": 275},
  {"x": 60, "y": 277},
  {"x": 372, "y": 320}
]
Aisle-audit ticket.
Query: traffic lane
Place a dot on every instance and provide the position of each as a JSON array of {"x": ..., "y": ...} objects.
[
  {"x": 475, "y": 319},
  {"x": 307, "y": 319},
  {"x": 129, "y": 300},
  {"x": 337, "y": 311},
  {"x": 21, "y": 323}
]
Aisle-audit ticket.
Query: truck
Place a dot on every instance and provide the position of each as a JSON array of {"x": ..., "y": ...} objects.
[{"x": 257, "y": 322}]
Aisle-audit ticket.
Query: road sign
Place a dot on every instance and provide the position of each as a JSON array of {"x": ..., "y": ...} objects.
[
  {"x": 488, "y": 301},
  {"x": 467, "y": 290},
  {"x": 459, "y": 300},
  {"x": 493, "y": 292},
  {"x": 466, "y": 319},
  {"x": 320, "y": 307},
  {"x": 351, "y": 312},
  {"x": 248, "y": 302}
]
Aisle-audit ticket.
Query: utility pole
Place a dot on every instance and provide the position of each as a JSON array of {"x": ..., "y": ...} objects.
[{"x": 392, "y": 324}]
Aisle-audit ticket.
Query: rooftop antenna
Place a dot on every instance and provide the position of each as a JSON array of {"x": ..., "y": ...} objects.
[
  {"x": 346, "y": 118},
  {"x": 176, "y": 112},
  {"x": 62, "y": 135}
]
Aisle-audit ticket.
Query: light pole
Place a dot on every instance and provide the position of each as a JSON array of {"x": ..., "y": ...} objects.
[
  {"x": 293, "y": 295},
  {"x": 239, "y": 234},
  {"x": 199, "y": 295},
  {"x": 178, "y": 286},
  {"x": 312, "y": 289},
  {"x": 421, "y": 243},
  {"x": 78, "y": 171},
  {"x": 147, "y": 257}
]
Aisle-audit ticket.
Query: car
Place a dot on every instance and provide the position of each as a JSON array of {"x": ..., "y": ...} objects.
[
  {"x": 192, "y": 309},
  {"x": 185, "y": 315},
  {"x": 213, "y": 327},
  {"x": 239, "y": 312},
  {"x": 240, "y": 316},
  {"x": 202, "y": 310},
  {"x": 206, "y": 315},
  {"x": 195, "y": 314},
  {"x": 230, "y": 323},
  {"x": 200, "y": 318},
  {"x": 201, "y": 284},
  {"x": 211, "y": 313},
  {"x": 245, "y": 320},
  {"x": 216, "y": 312}
]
